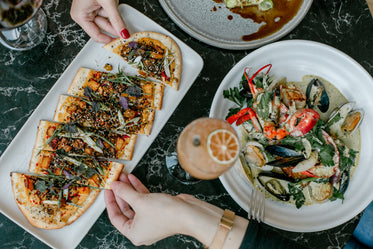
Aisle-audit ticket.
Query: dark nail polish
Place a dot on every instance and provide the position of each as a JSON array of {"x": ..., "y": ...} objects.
[{"x": 125, "y": 34}]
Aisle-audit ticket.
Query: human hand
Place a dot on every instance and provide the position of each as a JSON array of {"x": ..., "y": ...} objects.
[
  {"x": 96, "y": 15},
  {"x": 144, "y": 218}
]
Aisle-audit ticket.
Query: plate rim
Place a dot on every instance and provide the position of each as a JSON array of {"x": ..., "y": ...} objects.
[
  {"x": 190, "y": 29},
  {"x": 227, "y": 176}
]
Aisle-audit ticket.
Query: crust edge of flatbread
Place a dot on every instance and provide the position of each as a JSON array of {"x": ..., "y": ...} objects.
[
  {"x": 158, "y": 96},
  {"x": 41, "y": 135},
  {"x": 115, "y": 170},
  {"x": 80, "y": 78},
  {"x": 127, "y": 152},
  {"x": 61, "y": 113}
]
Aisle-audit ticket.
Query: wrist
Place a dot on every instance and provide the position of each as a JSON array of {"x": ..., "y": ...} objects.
[{"x": 204, "y": 225}]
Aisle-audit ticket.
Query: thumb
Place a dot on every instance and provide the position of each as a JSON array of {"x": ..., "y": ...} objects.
[
  {"x": 115, "y": 18},
  {"x": 126, "y": 192}
]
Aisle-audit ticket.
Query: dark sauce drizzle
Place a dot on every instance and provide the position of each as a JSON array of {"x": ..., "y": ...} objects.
[{"x": 272, "y": 20}]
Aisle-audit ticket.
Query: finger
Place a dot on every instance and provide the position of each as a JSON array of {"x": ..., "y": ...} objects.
[
  {"x": 111, "y": 9},
  {"x": 102, "y": 13},
  {"x": 124, "y": 178},
  {"x": 122, "y": 204},
  {"x": 125, "y": 208},
  {"x": 115, "y": 215},
  {"x": 126, "y": 192},
  {"x": 93, "y": 31},
  {"x": 105, "y": 25},
  {"x": 137, "y": 184}
]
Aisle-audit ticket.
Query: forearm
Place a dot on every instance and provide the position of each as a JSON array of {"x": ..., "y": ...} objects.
[{"x": 145, "y": 218}]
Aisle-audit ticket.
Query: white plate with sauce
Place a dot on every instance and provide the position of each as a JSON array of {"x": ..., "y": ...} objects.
[
  {"x": 294, "y": 59},
  {"x": 212, "y": 23},
  {"x": 17, "y": 155}
]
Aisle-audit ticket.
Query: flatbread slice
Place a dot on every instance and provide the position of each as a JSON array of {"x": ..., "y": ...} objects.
[
  {"x": 140, "y": 92},
  {"x": 51, "y": 202},
  {"x": 74, "y": 139},
  {"x": 154, "y": 54},
  {"x": 91, "y": 171},
  {"x": 104, "y": 115}
]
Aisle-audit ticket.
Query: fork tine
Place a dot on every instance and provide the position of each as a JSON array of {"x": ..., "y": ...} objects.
[
  {"x": 262, "y": 207},
  {"x": 259, "y": 206},
  {"x": 256, "y": 206}
]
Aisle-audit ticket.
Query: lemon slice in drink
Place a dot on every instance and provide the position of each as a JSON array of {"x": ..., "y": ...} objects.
[
  {"x": 223, "y": 146},
  {"x": 207, "y": 148}
]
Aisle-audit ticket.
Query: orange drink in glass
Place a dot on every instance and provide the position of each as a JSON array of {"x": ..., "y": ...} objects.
[{"x": 207, "y": 147}]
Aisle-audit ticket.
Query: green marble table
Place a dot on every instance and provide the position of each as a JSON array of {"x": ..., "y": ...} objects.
[{"x": 26, "y": 77}]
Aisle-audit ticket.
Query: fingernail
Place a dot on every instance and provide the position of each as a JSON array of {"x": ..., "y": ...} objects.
[{"x": 125, "y": 34}]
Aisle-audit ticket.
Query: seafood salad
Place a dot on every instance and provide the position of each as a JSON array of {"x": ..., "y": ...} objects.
[{"x": 300, "y": 140}]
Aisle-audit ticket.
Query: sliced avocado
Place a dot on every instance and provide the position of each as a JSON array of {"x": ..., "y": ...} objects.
[
  {"x": 265, "y": 5},
  {"x": 231, "y": 3}
]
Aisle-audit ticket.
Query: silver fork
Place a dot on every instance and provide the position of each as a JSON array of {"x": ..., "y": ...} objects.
[{"x": 256, "y": 206}]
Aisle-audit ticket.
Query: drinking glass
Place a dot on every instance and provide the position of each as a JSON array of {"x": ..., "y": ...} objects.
[
  {"x": 174, "y": 168},
  {"x": 205, "y": 149},
  {"x": 23, "y": 24}
]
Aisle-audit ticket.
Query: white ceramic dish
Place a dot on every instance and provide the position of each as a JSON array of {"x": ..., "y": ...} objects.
[
  {"x": 293, "y": 59},
  {"x": 17, "y": 155},
  {"x": 199, "y": 20}
]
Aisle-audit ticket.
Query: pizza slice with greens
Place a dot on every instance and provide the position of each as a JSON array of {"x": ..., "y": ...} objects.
[{"x": 154, "y": 54}]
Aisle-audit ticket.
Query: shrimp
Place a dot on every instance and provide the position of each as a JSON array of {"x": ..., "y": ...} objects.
[
  {"x": 302, "y": 121},
  {"x": 271, "y": 130},
  {"x": 284, "y": 110}
]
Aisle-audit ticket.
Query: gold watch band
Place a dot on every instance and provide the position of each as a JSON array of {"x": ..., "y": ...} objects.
[{"x": 226, "y": 223}]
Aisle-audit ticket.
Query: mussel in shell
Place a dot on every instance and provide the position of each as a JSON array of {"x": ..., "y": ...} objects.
[
  {"x": 344, "y": 181},
  {"x": 286, "y": 161},
  {"x": 282, "y": 151},
  {"x": 341, "y": 181},
  {"x": 317, "y": 95},
  {"x": 344, "y": 120},
  {"x": 286, "y": 156},
  {"x": 254, "y": 154},
  {"x": 276, "y": 184}
]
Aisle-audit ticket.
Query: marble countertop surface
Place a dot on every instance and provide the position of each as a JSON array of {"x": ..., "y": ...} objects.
[{"x": 26, "y": 77}]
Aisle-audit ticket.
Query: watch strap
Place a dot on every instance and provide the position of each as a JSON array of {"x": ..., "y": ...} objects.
[{"x": 226, "y": 223}]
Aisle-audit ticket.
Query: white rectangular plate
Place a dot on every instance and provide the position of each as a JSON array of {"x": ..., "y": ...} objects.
[{"x": 17, "y": 156}]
